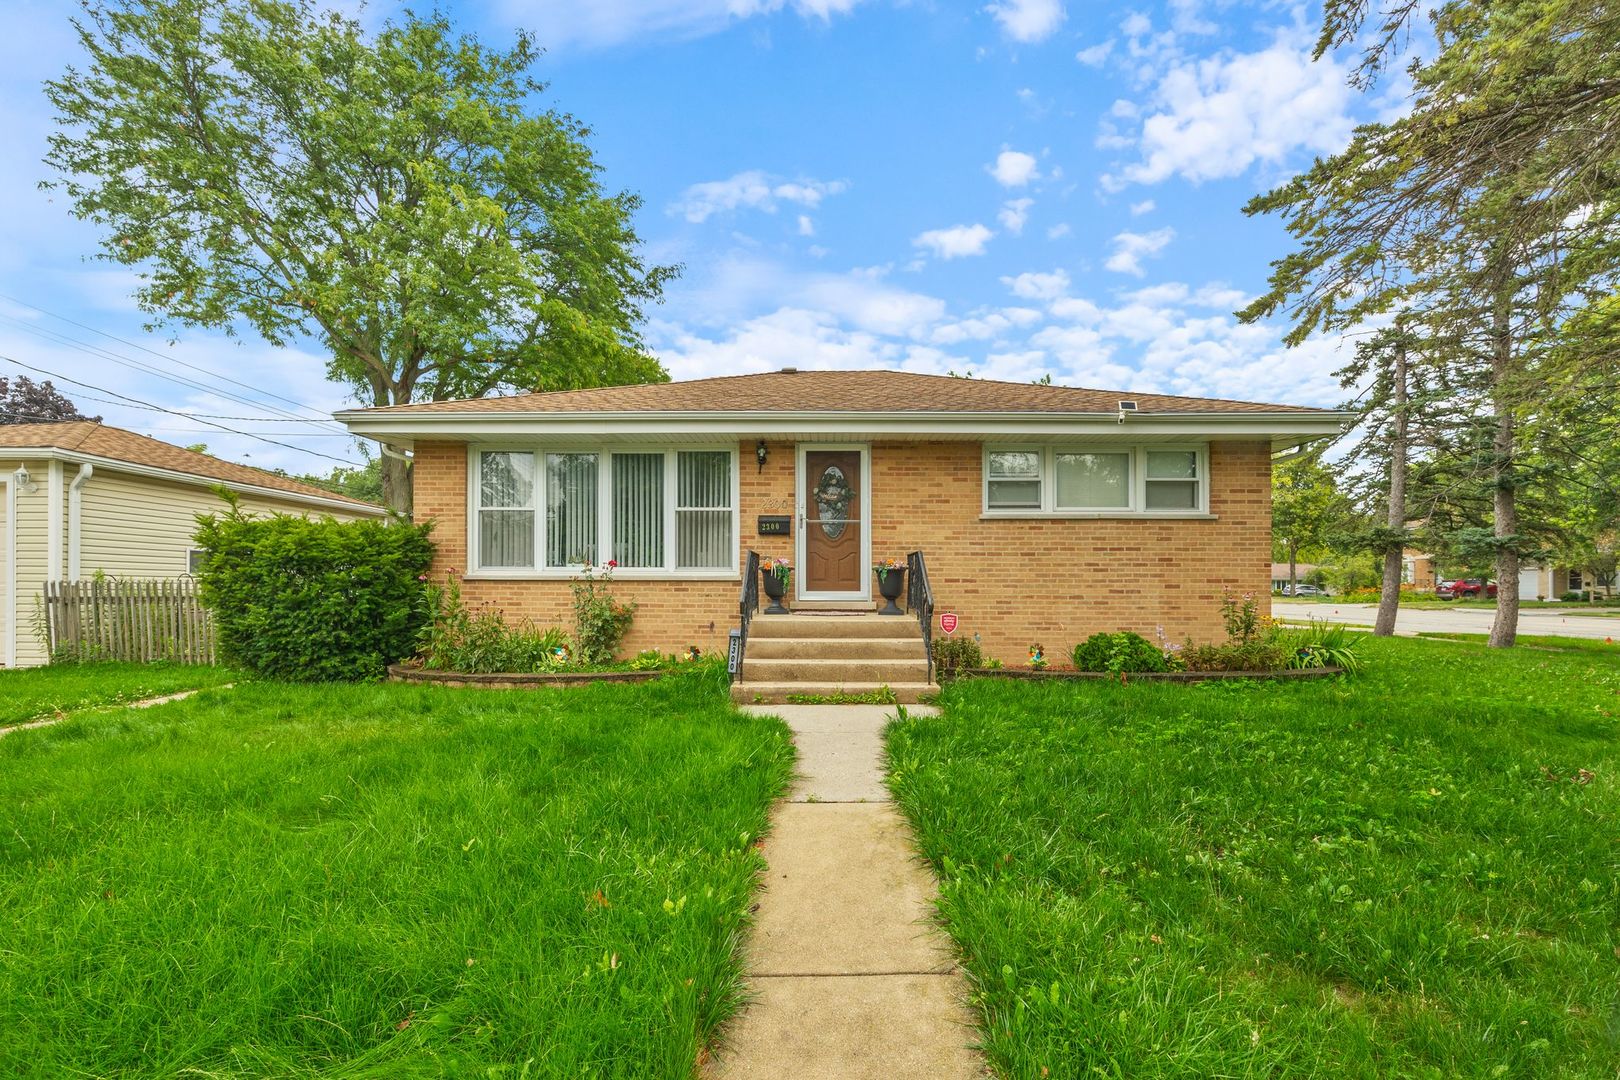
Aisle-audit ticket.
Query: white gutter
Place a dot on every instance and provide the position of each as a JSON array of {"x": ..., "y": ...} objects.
[
  {"x": 76, "y": 518},
  {"x": 54, "y": 453},
  {"x": 8, "y": 641},
  {"x": 53, "y": 521}
]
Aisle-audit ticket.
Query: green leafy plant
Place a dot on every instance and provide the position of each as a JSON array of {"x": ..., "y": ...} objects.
[
  {"x": 313, "y": 600},
  {"x": 1241, "y": 615},
  {"x": 1323, "y": 644},
  {"x": 600, "y": 620},
  {"x": 1119, "y": 652},
  {"x": 883, "y": 567},
  {"x": 782, "y": 568},
  {"x": 479, "y": 641},
  {"x": 952, "y": 654},
  {"x": 1260, "y": 655}
]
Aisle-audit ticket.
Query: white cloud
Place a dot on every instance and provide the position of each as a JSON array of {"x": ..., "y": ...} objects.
[
  {"x": 1058, "y": 231},
  {"x": 806, "y": 226},
  {"x": 1095, "y": 55},
  {"x": 1028, "y": 20},
  {"x": 1013, "y": 168},
  {"x": 752, "y": 189},
  {"x": 1037, "y": 286},
  {"x": 1131, "y": 248},
  {"x": 1146, "y": 206},
  {"x": 1014, "y": 213},
  {"x": 1214, "y": 117},
  {"x": 983, "y": 326},
  {"x": 606, "y": 22},
  {"x": 955, "y": 242}
]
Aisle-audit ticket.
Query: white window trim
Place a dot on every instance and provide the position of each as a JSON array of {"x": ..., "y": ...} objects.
[
  {"x": 604, "y": 510},
  {"x": 1138, "y": 482}
]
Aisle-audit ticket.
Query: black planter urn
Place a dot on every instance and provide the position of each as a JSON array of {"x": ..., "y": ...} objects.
[
  {"x": 891, "y": 583},
  {"x": 775, "y": 588}
]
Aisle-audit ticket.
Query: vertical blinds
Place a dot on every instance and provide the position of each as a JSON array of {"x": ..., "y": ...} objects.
[
  {"x": 647, "y": 494},
  {"x": 570, "y": 509},
  {"x": 638, "y": 509},
  {"x": 703, "y": 510}
]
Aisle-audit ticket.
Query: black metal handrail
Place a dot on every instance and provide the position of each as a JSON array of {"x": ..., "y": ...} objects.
[
  {"x": 920, "y": 602},
  {"x": 747, "y": 604}
]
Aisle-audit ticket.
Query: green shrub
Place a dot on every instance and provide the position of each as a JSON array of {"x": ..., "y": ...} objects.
[
  {"x": 600, "y": 620},
  {"x": 1322, "y": 645},
  {"x": 456, "y": 638},
  {"x": 952, "y": 654},
  {"x": 1265, "y": 654},
  {"x": 1119, "y": 652},
  {"x": 1573, "y": 596},
  {"x": 313, "y": 600}
]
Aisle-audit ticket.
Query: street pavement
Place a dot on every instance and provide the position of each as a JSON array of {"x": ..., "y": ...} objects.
[{"x": 1458, "y": 620}]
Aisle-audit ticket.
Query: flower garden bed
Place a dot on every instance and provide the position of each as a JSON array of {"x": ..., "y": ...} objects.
[
  {"x": 515, "y": 680},
  {"x": 1135, "y": 676}
]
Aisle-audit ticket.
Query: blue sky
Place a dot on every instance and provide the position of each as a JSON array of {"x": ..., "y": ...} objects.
[{"x": 1011, "y": 189}]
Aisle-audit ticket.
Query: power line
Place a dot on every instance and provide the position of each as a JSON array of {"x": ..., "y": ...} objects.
[
  {"x": 154, "y": 352},
  {"x": 173, "y": 412},
  {"x": 137, "y": 365}
]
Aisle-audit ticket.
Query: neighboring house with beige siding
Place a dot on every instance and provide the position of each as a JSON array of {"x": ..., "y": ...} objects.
[{"x": 79, "y": 498}]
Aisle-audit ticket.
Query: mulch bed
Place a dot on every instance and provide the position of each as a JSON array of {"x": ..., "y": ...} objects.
[
  {"x": 515, "y": 680},
  {"x": 1144, "y": 676}
]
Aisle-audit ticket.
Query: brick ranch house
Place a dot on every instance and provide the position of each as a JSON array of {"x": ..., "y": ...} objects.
[{"x": 1044, "y": 513}]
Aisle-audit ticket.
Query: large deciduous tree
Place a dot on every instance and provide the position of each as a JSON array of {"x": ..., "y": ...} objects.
[{"x": 396, "y": 195}]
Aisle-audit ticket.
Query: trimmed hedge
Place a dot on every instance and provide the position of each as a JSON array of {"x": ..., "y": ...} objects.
[{"x": 313, "y": 600}]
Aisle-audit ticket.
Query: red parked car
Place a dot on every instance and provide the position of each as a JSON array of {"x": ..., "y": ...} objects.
[{"x": 1471, "y": 588}]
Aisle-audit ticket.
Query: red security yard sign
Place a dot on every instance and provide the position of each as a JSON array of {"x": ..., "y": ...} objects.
[{"x": 947, "y": 621}]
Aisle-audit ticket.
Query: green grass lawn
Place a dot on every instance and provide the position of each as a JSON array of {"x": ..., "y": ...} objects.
[
  {"x": 32, "y": 693},
  {"x": 1602, "y": 608},
  {"x": 381, "y": 881},
  {"x": 1393, "y": 875},
  {"x": 1539, "y": 641}
]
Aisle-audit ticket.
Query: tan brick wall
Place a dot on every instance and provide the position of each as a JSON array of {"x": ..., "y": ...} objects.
[{"x": 1013, "y": 582}]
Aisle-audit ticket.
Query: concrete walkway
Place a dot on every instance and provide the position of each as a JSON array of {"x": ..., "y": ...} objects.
[
  {"x": 850, "y": 977},
  {"x": 145, "y": 703}
]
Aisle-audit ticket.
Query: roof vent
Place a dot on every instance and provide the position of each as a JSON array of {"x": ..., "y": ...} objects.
[{"x": 790, "y": 371}]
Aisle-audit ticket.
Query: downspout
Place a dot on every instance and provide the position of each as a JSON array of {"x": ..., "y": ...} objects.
[
  {"x": 53, "y": 520},
  {"x": 76, "y": 519},
  {"x": 8, "y": 639}
]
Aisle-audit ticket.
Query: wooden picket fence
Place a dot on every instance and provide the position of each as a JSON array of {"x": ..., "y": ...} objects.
[{"x": 127, "y": 619}]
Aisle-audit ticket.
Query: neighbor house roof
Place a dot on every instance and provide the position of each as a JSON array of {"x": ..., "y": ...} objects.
[
  {"x": 1279, "y": 570},
  {"x": 834, "y": 391},
  {"x": 86, "y": 439}
]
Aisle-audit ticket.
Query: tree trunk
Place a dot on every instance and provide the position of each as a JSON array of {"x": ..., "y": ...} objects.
[
  {"x": 1505, "y": 509},
  {"x": 1293, "y": 574},
  {"x": 1389, "y": 597},
  {"x": 396, "y": 481}
]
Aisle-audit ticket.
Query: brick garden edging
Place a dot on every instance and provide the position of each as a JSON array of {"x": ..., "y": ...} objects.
[
  {"x": 514, "y": 680},
  {"x": 1135, "y": 676}
]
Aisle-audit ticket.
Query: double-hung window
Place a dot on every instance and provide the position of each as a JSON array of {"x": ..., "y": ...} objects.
[
  {"x": 1058, "y": 480},
  {"x": 649, "y": 511},
  {"x": 1014, "y": 480},
  {"x": 506, "y": 510}
]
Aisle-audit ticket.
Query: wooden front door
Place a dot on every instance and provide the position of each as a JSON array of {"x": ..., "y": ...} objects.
[{"x": 834, "y": 522}]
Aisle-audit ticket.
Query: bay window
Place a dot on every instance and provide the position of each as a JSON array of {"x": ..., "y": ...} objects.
[
  {"x": 1091, "y": 481},
  {"x": 653, "y": 512}
]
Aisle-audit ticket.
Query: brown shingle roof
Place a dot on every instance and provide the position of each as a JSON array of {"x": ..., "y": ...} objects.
[
  {"x": 836, "y": 391},
  {"x": 99, "y": 440}
]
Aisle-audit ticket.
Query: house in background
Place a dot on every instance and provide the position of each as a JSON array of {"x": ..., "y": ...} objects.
[
  {"x": 80, "y": 497},
  {"x": 1279, "y": 574},
  {"x": 1417, "y": 570},
  {"x": 1044, "y": 513},
  {"x": 1547, "y": 581}
]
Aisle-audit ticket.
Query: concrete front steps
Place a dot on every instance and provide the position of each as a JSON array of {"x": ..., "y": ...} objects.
[{"x": 827, "y": 653}]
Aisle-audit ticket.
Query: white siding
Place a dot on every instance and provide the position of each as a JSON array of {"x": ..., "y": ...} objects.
[{"x": 132, "y": 526}]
